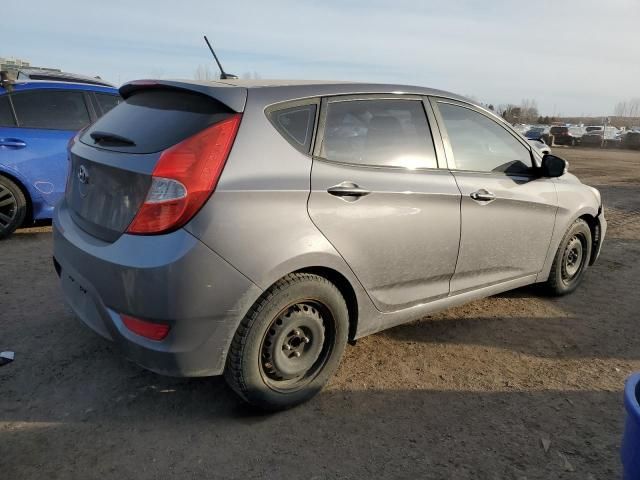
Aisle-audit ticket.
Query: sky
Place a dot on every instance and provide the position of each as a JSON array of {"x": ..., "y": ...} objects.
[{"x": 573, "y": 57}]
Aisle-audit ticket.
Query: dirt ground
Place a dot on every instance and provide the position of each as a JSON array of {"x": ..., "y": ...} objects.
[{"x": 470, "y": 393}]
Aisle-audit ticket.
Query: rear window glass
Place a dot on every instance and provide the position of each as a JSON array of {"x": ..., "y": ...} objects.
[
  {"x": 296, "y": 125},
  {"x": 154, "y": 120},
  {"x": 107, "y": 102},
  {"x": 555, "y": 130},
  {"x": 51, "y": 109},
  {"x": 6, "y": 117}
]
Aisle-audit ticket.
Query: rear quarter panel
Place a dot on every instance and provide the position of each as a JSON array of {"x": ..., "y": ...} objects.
[{"x": 257, "y": 218}]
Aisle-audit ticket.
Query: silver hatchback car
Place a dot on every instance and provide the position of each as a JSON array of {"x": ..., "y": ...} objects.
[{"x": 255, "y": 228}]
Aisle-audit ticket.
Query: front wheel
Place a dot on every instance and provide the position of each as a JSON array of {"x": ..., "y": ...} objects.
[
  {"x": 290, "y": 342},
  {"x": 571, "y": 260}
]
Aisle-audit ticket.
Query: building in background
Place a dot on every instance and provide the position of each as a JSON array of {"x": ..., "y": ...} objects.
[{"x": 13, "y": 65}]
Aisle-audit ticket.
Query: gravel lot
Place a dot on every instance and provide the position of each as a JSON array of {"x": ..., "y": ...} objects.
[{"x": 470, "y": 393}]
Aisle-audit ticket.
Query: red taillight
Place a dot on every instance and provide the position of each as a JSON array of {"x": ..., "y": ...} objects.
[
  {"x": 153, "y": 331},
  {"x": 184, "y": 178}
]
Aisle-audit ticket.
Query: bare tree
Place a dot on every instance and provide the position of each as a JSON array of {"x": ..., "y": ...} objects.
[
  {"x": 621, "y": 109},
  {"x": 627, "y": 108},
  {"x": 528, "y": 111},
  {"x": 251, "y": 75},
  {"x": 204, "y": 72}
]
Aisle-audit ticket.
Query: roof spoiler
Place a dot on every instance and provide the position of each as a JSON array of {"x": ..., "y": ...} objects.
[{"x": 233, "y": 97}]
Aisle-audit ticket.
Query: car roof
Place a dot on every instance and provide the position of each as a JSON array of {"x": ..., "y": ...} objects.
[
  {"x": 338, "y": 87},
  {"x": 54, "y": 75},
  {"x": 24, "y": 85},
  {"x": 233, "y": 92}
]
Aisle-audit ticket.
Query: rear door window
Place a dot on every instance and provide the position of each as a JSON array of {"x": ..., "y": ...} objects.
[
  {"x": 6, "y": 116},
  {"x": 51, "y": 109},
  {"x": 107, "y": 102},
  {"x": 156, "y": 119},
  {"x": 296, "y": 124},
  {"x": 378, "y": 132}
]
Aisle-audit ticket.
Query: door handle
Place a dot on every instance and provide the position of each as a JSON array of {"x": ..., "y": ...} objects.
[
  {"x": 348, "y": 189},
  {"x": 483, "y": 195},
  {"x": 12, "y": 143}
]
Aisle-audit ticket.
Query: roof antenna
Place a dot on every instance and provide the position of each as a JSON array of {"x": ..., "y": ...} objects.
[{"x": 223, "y": 75}]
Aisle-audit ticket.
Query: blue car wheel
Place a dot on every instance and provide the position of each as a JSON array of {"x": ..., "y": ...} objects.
[{"x": 13, "y": 207}]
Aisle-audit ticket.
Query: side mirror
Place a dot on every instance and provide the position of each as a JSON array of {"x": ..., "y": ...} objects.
[{"x": 553, "y": 166}]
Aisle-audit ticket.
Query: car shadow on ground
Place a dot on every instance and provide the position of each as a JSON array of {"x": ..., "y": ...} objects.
[{"x": 198, "y": 428}]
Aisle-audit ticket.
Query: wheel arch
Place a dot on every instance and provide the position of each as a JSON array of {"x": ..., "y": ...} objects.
[
  {"x": 594, "y": 227},
  {"x": 346, "y": 289}
]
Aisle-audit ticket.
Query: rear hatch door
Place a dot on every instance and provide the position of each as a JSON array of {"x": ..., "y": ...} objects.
[{"x": 113, "y": 161}]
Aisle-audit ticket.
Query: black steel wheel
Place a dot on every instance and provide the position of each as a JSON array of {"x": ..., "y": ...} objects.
[
  {"x": 571, "y": 260},
  {"x": 13, "y": 207},
  {"x": 290, "y": 342}
]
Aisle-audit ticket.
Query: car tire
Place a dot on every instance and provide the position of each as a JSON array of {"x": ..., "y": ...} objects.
[
  {"x": 13, "y": 207},
  {"x": 571, "y": 260},
  {"x": 289, "y": 343}
]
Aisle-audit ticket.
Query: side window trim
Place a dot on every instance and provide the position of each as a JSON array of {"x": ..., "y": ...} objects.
[
  {"x": 90, "y": 104},
  {"x": 292, "y": 104},
  {"x": 451, "y": 161},
  {"x": 17, "y": 118},
  {"x": 431, "y": 125},
  {"x": 13, "y": 113},
  {"x": 436, "y": 135}
]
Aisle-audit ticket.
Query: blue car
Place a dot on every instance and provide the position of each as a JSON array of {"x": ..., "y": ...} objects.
[{"x": 37, "y": 120}]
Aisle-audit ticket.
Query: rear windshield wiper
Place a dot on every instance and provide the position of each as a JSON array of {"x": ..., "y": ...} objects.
[{"x": 111, "y": 139}]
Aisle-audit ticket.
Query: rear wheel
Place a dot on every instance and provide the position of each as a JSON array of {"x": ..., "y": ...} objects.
[
  {"x": 13, "y": 207},
  {"x": 571, "y": 260},
  {"x": 290, "y": 342}
]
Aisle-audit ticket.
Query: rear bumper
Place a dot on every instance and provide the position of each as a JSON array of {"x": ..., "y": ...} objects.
[{"x": 172, "y": 279}]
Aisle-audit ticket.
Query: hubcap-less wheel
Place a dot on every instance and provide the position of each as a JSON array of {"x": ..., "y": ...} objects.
[
  {"x": 8, "y": 207},
  {"x": 572, "y": 259},
  {"x": 293, "y": 346}
]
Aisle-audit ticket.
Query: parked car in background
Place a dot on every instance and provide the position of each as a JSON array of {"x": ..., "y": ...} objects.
[
  {"x": 37, "y": 120},
  {"x": 566, "y": 135},
  {"x": 521, "y": 128},
  {"x": 538, "y": 132},
  {"x": 631, "y": 139},
  {"x": 258, "y": 226},
  {"x": 598, "y": 135}
]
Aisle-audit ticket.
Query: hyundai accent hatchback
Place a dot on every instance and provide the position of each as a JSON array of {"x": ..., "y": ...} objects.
[{"x": 254, "y": 229}]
